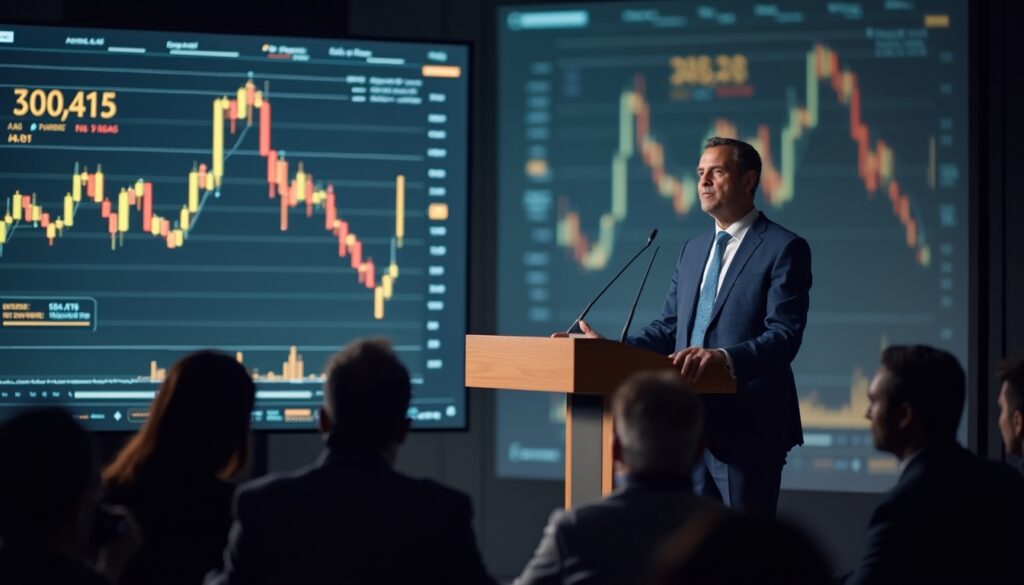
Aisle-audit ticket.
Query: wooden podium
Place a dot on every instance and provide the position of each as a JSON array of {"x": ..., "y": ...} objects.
[{"x": 587, "y": 371}]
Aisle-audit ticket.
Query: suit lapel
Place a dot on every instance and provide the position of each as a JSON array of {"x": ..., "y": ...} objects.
[
  {"x": 690, "y": 275},
  {"x": 750, "y": 243}
]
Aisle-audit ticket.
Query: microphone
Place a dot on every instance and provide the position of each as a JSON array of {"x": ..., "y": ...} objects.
[
  {"x": 650, "y": 239},
  {"x": 629, "y": 320}
]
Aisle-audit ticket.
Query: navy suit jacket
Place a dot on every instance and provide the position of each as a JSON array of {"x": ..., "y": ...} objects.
[
  {"x": 350, "y": 519},
  {"x": 758, "y": 317},
  {"x": 951, "y": 518}
]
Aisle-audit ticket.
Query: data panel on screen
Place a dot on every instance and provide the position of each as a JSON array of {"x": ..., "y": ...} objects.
[
  {"x": 274, "y": 198},
  {"x": 860, "y": 113}
]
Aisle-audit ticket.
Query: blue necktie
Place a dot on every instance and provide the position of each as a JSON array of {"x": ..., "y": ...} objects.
[{"x": 709, "y": 292}]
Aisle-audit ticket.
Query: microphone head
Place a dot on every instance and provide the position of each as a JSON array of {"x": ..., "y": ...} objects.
[{"x": 654, "y": 234}]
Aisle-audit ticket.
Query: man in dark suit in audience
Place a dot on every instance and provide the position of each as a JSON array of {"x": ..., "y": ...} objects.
[
  {"x": 1011, "y": 407},
  {"x": 658, "y": 434},
  {"x": 351, "y": 518},
  {"x": 952, "y": 517}
]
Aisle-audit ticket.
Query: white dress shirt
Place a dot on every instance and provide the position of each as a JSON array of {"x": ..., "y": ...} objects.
[{"x": 737, "y": 230}]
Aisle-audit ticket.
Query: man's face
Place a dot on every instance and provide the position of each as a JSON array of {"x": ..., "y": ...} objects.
[
  {"x": 884, "y": 422},
  {"x": 724, "y": 192},
  {"x": 1007, "y": 424}
]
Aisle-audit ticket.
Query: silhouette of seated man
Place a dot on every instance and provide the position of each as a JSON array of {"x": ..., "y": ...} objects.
[
  {"x": 658, "y": 435},
  {"x": 49, "y": 517},
  {"x": 952, "y": 517},
  {"x": 1011, "y": 408},
  {"x": 350, "y": 518}
]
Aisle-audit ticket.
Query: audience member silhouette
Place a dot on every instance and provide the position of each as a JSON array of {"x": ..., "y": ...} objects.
[
  {"x": 658, "y": 435},
  {"x": 737, "y": 549},
  {"x": 350, "y": 518},
  {"x": 952, "y": 517},
  {"x": 1011, "y": 408},
  {"x": 49, "y": 518},
  {"x": 173, "y": 473}
]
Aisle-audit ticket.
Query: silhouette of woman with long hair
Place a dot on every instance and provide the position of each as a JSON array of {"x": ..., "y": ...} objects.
[{"x": 173, "y": 474}]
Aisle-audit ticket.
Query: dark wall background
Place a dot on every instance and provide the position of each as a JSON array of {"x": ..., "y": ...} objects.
[{"x": 511, "y": 513}]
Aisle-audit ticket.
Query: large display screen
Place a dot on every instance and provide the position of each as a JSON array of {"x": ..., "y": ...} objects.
[
  {"x": 859, "y": 110},
  {"x": 274, "y": 198}
]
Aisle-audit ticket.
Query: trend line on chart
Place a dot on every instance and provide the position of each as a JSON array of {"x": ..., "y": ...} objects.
[
  {"x": 875, "y": 164},
  {"x": 291, "y": 190}
]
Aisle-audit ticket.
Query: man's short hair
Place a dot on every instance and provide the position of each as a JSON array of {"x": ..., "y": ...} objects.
[
  {"x": 367, "y": 394},
  {"x": 1011, "y": 372},
  {"x": 745, "y": 155},
  {"x": 658, "y": 421},
  {"x": 49, "y": 463},
  {"x": 932, "y": 381}
]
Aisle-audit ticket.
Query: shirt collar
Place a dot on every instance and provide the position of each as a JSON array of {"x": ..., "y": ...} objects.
[
  {"x": 904, "y": 463},
  {"x": 740, "y": 228},
  {"x": 659, "y": 481},
  {"x": 352, "y": 456}
]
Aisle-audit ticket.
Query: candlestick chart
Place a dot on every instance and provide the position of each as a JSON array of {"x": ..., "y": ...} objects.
[
  {"x": 272, "y": 198},
  {"x": 859, "y": 113}
]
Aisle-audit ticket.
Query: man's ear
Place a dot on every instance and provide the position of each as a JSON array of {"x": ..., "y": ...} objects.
[
  {"x": 616, "y": 447},
  {"x": 324, "y": 422},
  {"x": 1018, "y": 424},
  {"x": 904, "y": 415},
  {"x": 749, "y": 178}
]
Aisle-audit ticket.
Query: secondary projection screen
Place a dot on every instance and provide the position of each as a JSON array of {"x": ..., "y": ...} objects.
[
  {"x": 271, "y": 197},
  {"x": 859, "y": 110}
]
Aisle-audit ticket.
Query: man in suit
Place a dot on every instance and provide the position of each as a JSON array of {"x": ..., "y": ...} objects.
[
  {"x": 738, "y": 298},
  {"x": 1011, "y": 407},
  {"x": 657, "y": 436},
  {"x": 351, "y": 518},
  {"x": 952, "y": 517}
]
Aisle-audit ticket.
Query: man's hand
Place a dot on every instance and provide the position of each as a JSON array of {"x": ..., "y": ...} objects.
[
  {"x": 587, "y": 330},
  {"x": 692, "y": 361}
]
